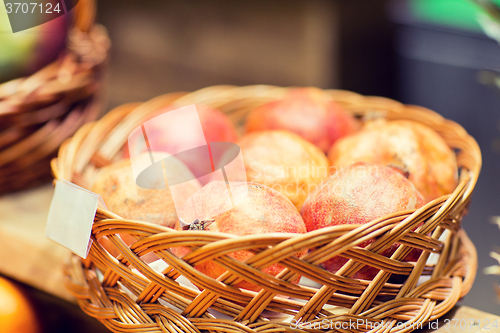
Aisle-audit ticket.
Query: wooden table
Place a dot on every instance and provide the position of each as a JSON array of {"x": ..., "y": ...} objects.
[{"x": 27, "y": 256}]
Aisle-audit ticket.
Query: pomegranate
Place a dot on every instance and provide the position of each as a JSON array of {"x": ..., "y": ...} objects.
[
  {"x": 261, "y": 210},
  {"x": 359, "y": 194},
  {"x": 283, "y": 161},
  {"x": 307, "y": 112},
  {"x": 411, "y": 146},
  {"x": 115, "y": 183},
  {"x": 170, "y": 136}
]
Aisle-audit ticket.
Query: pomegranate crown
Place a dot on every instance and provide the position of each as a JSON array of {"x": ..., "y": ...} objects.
[{"x": 196, "y": 224}]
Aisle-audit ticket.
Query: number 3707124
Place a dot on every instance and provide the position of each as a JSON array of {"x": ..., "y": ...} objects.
[
  {"x": 484, "y": 324},
  {"x": 32, "y": 7}
]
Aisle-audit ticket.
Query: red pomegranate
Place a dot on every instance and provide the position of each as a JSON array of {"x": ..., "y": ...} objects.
[
  {"x": 258, "y": 210},
  {"x": 411, "y": 146},
  {"x": 307, "y": 112},
  {"x": 117, "y": 186},
  {"x": 359, "y": 194},
  {"x": 283, "y": 161},
  {"x": 164, "y": 135}
]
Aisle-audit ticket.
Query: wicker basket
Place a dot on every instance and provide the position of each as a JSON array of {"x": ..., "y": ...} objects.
[
  {"x": 127, "y": 295},
  {"x": 37, "y": 113}
]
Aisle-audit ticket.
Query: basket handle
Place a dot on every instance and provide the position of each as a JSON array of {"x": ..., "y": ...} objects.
[{"x": 85, "y": 12}]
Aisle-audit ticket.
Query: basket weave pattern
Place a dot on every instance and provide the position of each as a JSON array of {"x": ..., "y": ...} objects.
[
  {"x": 127, "y": 295},
  {"x": 37, "y": 113}
]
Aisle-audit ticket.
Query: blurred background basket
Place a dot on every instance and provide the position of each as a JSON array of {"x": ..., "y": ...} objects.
[
  {"x": 127, "y": 295},
  {"x": 38, "y": 112}
]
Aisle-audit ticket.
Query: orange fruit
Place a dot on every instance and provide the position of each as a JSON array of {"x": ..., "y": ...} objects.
[{"x": 16, "y": 312}]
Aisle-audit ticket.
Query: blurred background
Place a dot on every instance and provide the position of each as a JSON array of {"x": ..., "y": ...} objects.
[{"x": 426, "y": 52}]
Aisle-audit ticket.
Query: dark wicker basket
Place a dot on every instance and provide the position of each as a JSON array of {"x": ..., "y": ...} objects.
[{"x": 37, "y": 113}]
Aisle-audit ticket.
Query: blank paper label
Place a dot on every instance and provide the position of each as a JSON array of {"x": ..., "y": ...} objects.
[{"x": 71, "y": 216}]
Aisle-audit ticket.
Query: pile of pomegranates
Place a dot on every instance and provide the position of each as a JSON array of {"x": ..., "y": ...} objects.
[{"x": 308, "y": 164}]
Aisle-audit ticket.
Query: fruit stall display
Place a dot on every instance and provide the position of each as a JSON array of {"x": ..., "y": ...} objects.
[
  {"x": 352, "y": 212},
  {"x": 50, "y": 84}
]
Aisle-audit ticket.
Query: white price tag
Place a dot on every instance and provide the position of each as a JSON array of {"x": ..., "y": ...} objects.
[{"x": 71, "y": 216}]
